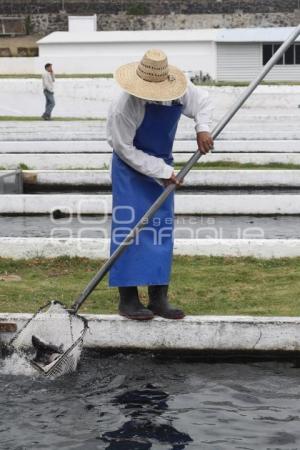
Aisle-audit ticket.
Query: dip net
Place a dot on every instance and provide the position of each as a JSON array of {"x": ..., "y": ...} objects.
[{"x": 57, "y": 328}]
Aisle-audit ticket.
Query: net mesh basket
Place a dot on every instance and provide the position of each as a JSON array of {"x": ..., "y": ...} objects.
[{"x": 57, "y": 326}]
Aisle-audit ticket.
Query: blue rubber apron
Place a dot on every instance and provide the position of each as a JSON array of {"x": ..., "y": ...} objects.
[{"x": 148, "y": 260}]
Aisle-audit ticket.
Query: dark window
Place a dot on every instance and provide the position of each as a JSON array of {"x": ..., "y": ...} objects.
[
  {"x": 289, "y": 55},
  {"x": 297, "y": 53},
  {"x": 267, "y": 53}
]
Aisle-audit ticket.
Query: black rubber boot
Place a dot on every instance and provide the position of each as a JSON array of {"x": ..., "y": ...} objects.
[
  {"x": 159, "y": 303},
  {"x": 130, "y": 305}
]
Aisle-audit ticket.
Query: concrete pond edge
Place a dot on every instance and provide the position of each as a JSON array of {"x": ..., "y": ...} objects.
[
  {"x": 98, "y": 248},
  {"x": 194, "y": 333}
]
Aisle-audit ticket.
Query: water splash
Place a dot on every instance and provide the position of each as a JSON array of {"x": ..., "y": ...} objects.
[{"x": 15, "y": 364}]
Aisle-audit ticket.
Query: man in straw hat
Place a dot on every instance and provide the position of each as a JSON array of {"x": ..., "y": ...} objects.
[{"x": 141, "y": 129}]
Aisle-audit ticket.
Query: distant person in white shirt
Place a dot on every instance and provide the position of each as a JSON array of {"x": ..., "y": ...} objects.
[
  {"x": 141, "y": 129},
  {"x": 48, "y": 87}
]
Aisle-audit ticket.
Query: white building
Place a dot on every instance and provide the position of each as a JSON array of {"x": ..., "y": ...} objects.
[
  {"x": 104, "y": 51},
  {"x": 224, "y": 54},
  {"x": 82, "y": 24},
  {"x": 241, "y": 54}
]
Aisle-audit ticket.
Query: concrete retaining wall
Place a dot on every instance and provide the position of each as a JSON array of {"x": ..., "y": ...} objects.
[
  {"x": 195, "y": 178},
  {"x": 102, "y": 160},
  {"x": 192, "y": 333},
  {"x": 21, "y": 65},
  {"x": 45, "y": 17},
  {"x": 184, "y": 204},
  {"x": 25, "y": 248}
]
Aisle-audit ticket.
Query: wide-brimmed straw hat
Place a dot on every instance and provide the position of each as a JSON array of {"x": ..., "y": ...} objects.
[{"x": 152, "y": 78}]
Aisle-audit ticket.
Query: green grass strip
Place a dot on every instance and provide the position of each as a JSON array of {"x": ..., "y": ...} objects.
[{"x": 200, "y": 285}]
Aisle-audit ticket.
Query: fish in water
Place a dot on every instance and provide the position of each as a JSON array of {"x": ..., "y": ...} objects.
[{"x": 45, "y": 353}]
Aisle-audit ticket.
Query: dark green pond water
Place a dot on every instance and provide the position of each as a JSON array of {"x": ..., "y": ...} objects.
[{"x": 138, "y": 402}]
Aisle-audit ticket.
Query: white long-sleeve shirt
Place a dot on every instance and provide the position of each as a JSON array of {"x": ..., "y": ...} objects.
[
  {"x": 48, "y": 81},
  {"x": 126, "y": 115}
]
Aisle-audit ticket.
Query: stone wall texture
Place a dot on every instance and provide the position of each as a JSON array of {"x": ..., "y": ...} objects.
[{"x": 52, "y": 15}]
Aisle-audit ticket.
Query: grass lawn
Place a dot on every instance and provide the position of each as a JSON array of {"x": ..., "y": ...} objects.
[{"x": 201, "y": 285}]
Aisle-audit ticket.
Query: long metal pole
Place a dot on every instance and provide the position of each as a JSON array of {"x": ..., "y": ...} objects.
[{"x": 180, "y": 176}]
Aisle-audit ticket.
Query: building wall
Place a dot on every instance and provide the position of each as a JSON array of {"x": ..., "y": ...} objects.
[
  {"x": 284, "y": 73},
  {"x": 238, "y": 62},
  {"x": 105, "y": 58},
  {"x": 242, "y": 62},
  {"x": 223, "y": 62}
]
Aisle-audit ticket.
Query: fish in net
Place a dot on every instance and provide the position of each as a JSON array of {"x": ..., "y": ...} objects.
[{"x": 51, "y": 340}]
